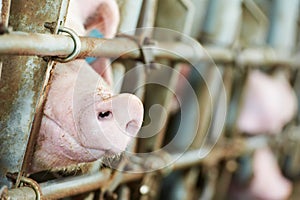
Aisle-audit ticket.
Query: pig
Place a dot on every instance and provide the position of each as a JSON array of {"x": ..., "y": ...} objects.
[
  {"x": 83, "y": 120},
  {"x": 267, "y": 182},
  {"x": 269, "y": 103}
]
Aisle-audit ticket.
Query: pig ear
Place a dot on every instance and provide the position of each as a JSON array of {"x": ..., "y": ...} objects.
[
  {"x": 105, "y": 18},
  {"x": 102, "y": 67}
]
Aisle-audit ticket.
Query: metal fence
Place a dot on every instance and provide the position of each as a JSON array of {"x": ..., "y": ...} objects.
[{"x": 236, "y": 35}]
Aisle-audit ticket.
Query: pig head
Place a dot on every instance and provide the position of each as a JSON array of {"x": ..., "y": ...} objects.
[
  {"x": 82, "y": 120},
  {"x": 269, "y": 103}
]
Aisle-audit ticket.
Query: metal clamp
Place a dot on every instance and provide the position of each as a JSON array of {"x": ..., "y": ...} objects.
[
  {"x": 144, "y": 44},
  {"x": 77, "y": 46},
  {"x": 34, "y": 185}
]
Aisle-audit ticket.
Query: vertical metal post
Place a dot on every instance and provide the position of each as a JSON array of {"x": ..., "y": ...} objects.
[
  {"x": 147, "y": 20},
  {"x": 149, "y": 10},
  {"x": 223, "y": 25},
  {"x": 23, "y": 82},
  {"x": 130, "y": 12},
  {"x": 177, "y": 15},
  {"x": 4, "y": 17},
  {"x": 282, "y": 36},
  {"x": 283, "y": 28},
  {"x": 221, "y": 28}
]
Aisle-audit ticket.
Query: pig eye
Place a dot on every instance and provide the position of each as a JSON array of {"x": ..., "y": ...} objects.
[{"x": 104, "y": 115}]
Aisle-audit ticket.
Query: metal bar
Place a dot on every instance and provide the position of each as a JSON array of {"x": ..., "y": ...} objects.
[
  {"x": 149, "y": 10},
  {"x": 5, "y": 12},
  {"x": 177, "y": 15},
  {"x": 283, "y": 27},
  {"x": 58, "y": 23},
  {"x": 21, "y": 85},
  {"x": 146, "y": 19},
  {"x": 61, "y": 45},
  {"x": 57, "y": 189},
  {"x": 4, "y": 18},
  {"x": 129, "y": 15},
  {"x": 76, "y": 185},
  {"x": 22, "y": 193},
  {"x": 282, "y": 36},
  {"x": 221, "y": 12},
  {"x": 256, "y": 12},
  {"x": 189, "y": 17}
]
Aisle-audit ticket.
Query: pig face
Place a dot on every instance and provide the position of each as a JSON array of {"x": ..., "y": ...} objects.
[{"x": 83, "y": 121}]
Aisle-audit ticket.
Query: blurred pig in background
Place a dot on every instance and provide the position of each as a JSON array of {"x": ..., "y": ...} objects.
[{"x": 269, "y": 104}]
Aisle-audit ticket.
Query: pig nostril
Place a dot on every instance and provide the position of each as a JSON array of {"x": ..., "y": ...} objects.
[
  {"x": 132, "y": 128},
  {"x": 104, "y": 115}
]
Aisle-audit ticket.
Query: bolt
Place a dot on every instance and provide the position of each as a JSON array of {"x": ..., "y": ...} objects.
[
  {"x": 50, "y": 25},
  {"x": 144, "y": 189}
]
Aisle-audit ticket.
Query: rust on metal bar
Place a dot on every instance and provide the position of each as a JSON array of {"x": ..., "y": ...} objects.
[
  {"x": 61, "y": 45},
  {"x": 59, "y": 22},
  {"x": 22, "y": 82},
  {"x": 71, "y": 186},
  {"x": 79, "y": 184},
  {"x": 22, "y": 193},
  {"x": 5, "y": 10}
]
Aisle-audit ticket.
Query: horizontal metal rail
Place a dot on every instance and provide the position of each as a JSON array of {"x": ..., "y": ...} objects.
[
  {"x": 77, "y": 185},
  {"x": 34, "y": 44}
]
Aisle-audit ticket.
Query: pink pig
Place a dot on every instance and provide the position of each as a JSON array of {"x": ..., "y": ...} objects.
[
  {"x": 83, "y": 121},
  {"x": 269, "y": 103},
  {"x": 267, "y": 182}
]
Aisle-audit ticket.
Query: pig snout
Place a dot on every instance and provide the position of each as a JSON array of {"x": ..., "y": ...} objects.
[
  {"x": 129, "y": 119},
  {"x": 110, "y": 124}
]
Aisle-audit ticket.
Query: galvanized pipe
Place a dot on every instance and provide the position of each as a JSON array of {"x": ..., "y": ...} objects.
[
  {"x": 284, "y": 24},
  {"x": 222, "y": 23},
  {"x": 190, "y": 16},
  {"x": 129, "y": 15},
  {"x": 61, "y": 45},
  {"x": 149, "y": 10},
  {"x": 18, "y": 43},
  {"x": 72, "y": 186}
]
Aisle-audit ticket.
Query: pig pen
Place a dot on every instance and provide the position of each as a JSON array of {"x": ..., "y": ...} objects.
[{"x": 189, "y": 61}]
